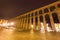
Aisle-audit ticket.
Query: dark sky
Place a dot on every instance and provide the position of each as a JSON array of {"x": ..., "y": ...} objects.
[{"x": 13, "y": 8}]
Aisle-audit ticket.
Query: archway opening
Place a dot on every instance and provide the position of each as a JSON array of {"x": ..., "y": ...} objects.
[
  {"x": 55, "y": 18},
  {"x": 47, "y": 18}
]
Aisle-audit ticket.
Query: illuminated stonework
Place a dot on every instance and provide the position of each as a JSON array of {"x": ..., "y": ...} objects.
[
  {"x": 3, "y": 21},
  {"x": 49, "y": 14}
]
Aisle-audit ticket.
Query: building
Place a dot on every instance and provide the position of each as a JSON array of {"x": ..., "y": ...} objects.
[
  {"x": 3, "y": 21},
  {"x": 47, "y": 15}
]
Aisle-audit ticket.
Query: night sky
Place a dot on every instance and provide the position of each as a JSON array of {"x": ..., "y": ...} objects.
[{"x": 12, "y": 8}]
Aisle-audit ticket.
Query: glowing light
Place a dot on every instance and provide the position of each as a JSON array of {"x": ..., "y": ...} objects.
[
  {"x": 32, "y": 29},
  {"x": 4, "y": 24},
  {"x": 59, "y": 25},
  {"x": 42, "y": 28},
  {"x": 12, "y": 23},
  {"x": 48, "y": 29},
  {"x": 32, "y": 26},
  {"x": 41, "y": 24},
  {"x": 7, "y": 24},
  {"x": 56, "y": 28}
]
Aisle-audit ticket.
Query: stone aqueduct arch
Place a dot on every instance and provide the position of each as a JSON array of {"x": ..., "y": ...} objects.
[{"x": 35, "y": 17}]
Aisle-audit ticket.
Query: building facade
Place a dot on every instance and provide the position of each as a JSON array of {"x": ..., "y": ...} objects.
[{"x": 48, "y": 15}]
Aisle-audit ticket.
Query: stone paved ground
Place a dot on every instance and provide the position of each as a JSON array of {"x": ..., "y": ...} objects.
[{"x": 7, "y": 34}]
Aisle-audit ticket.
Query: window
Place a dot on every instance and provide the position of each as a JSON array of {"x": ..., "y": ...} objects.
[
  {"x": 41, "y": 18},
  {"x": 46, "y": 10},
  {"x": 40, "y": 12},
  {"x": 58, "y": 5},
  {"x": 55, "y": 18},
  {"x": 52, "y": 8}
]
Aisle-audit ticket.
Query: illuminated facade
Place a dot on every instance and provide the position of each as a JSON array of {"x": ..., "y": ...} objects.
[
  {"x": 47, "y": 15},
  {"x": 3, "y": 21}
]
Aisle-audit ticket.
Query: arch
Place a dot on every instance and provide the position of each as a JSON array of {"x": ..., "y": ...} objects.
[
  {"x": 28, "y": 20},
  {"x": 41, "y": 18},
  {"x": 40, "y": 11},
  {"x": 58, "y": 5},
  {"x": 52, "y": 8},
  {"x": 47, "y": 18},
  {"x": 55, "y": 18},
  {"x": 36, "y": 13},
  {"x": 46, "y": 10},
  {"x": 32, "y": 20},
  {"x": 36, "y": 20}
]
